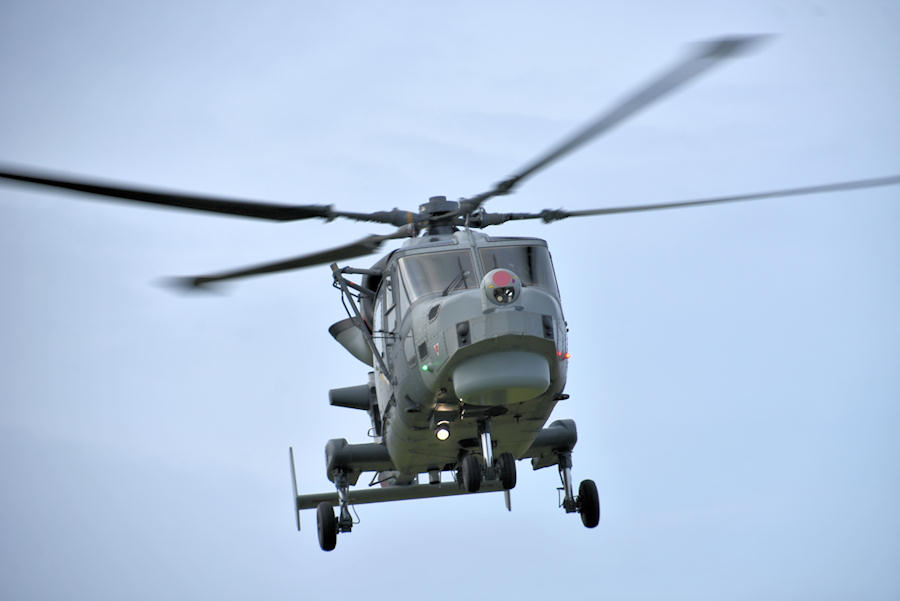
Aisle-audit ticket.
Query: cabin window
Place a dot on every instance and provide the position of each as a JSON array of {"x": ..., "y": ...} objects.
[
  {"x": 531, "y": 263},
  {"x": 438, "y": 273}
]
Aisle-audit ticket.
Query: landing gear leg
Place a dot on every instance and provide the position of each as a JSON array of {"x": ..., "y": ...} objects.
[
  {"x": 587, "y": 503},
  {"x": 345, "y": 520},
  {"x": 565, "y": 474},
  {"x": 330, "y": 525},
  {"x": 472, "y": 471}
]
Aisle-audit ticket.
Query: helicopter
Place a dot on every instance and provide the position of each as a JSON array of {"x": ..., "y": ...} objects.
[{"x": 463, "y": 333}]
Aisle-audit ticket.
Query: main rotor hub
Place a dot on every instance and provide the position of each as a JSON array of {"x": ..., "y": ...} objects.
[{"x": 437, "y": 206}]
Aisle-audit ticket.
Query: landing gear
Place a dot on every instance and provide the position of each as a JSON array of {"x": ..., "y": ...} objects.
[
  {"x": 327, "y": 526},
  {"x": 473, "y": 471},
  {"x": 478, "y": 470},
  {"x": 587, "y": 503},
  {"x": 505, "y": 466},
  {"x": 472, "y": 475},
  {"x": 327, "y": 523}
]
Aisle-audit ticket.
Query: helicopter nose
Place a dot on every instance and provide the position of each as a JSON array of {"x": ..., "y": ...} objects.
[{"x": 501, "y": 377}]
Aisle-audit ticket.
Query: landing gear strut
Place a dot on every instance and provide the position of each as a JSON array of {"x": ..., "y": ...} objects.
[
  {"x": 587, "y": 503},
  {"x": 327, "y": 523},
  {"x": 473, "y": 471},
  {"x": 487, "y": 445}
]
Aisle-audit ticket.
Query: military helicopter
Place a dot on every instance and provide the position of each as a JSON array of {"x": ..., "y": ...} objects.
[{"x": 464, "y": 333}]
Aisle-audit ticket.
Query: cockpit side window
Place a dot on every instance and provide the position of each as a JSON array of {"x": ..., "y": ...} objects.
[
  {"x": 390, "y": 309},
  {"x": 378, "y": 325},
  {"x": 531, "y": 263},
  {"x": 402, "y": 296},
  {"x": 437, "y": 273},
  {"x": 384, "y": 314}
]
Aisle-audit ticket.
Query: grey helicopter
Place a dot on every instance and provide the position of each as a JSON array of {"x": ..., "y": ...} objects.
[{"x": 463, "y": 334}]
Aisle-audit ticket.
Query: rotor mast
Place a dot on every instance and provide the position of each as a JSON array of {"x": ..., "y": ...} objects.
[{"x": 440, "y": 215}]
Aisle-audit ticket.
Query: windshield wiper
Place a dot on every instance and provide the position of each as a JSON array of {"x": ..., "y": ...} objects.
[{"x": 459, "y": 279}]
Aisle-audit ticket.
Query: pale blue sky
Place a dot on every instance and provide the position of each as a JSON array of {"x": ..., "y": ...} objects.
[{"x": 735, "y": 373}]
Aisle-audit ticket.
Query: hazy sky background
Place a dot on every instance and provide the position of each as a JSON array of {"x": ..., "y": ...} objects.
[{"x": 735, "y": 373}]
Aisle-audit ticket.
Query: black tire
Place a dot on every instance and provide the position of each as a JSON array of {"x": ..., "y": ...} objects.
[
  {"x": 471, "y": 473},
  {"x": 589, "y": 503},
  {"x": 506, "y": 468},
  {"x": 327, "y": 525}
]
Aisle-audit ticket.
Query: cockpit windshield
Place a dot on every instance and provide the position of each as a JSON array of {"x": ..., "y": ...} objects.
[
  {"x": 531, "y": 263},
  {"x": 437, "y": 273}
]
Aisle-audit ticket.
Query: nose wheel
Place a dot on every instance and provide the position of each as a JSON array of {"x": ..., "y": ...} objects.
[
  {"x": 505, "y": 467},
  {"x": 473, "y": 471}
]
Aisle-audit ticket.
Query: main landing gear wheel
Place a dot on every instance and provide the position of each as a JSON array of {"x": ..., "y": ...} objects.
[
  {"x": 506, "y": 469},
  {"x": 471, "y": 473},
  {"x": 588, "y": 503},
  {"x": 327, "y": 525}
]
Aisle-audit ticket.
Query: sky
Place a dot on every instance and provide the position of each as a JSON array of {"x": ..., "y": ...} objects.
[{"x": 735, "y": 370}]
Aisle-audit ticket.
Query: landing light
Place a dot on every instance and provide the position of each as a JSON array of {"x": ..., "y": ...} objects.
[{"x": 442, "y": 430}]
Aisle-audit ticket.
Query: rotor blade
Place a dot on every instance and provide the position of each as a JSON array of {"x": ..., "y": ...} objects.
[
  {"x": 364, "y": 246},
  {"x": 549, "y": 215},
  {"x": 294, "y": 482},
  {"x": 196, "y": 202},
  {"x": 704, "y": 57}
]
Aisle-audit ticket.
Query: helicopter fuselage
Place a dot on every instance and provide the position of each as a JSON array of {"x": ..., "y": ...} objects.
[{"x": 469, "y": 328}]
